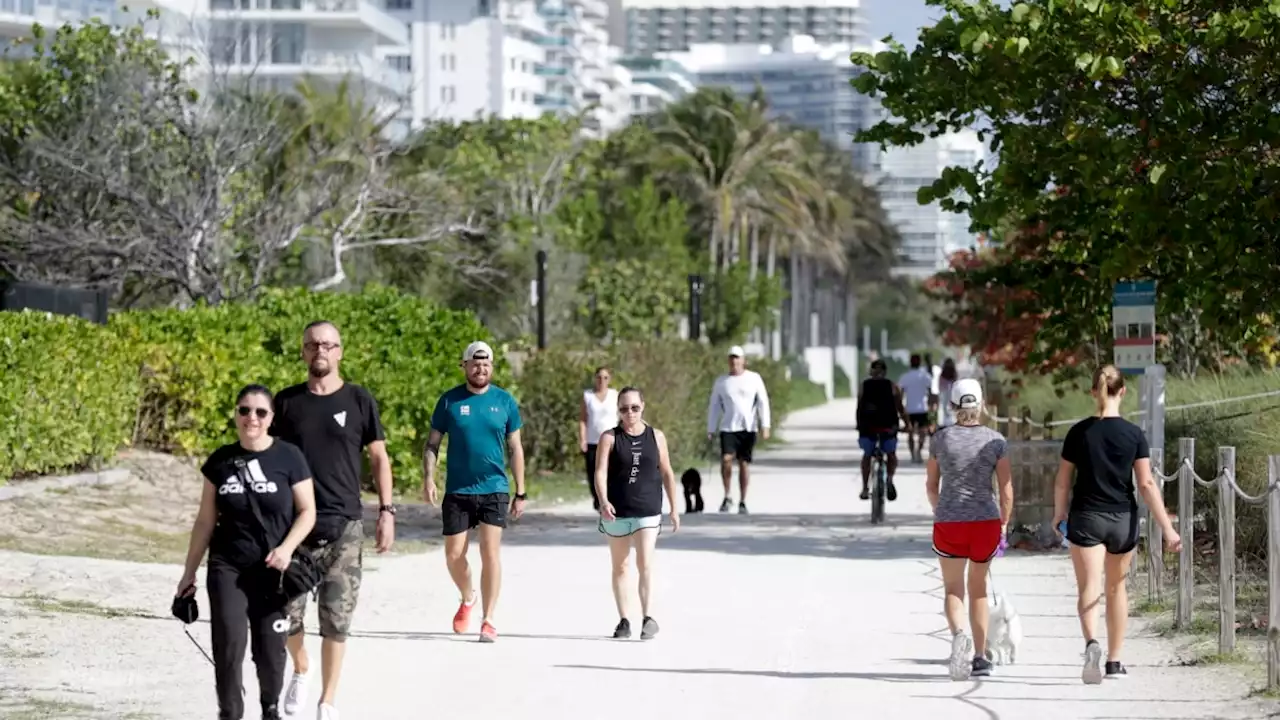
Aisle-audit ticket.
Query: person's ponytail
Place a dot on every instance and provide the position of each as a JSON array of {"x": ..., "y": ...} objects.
[{"x": 1107, "y": 383}]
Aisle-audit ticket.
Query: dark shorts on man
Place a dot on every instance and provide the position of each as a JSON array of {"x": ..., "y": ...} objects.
[
  {"x": 739, "y": 444},
  {"x": 341, "y": 561},
  {"x": 1118, "y": 531},
  {"x": 590, "y": 457},
  {"x": 919, "y": 420},
  {"x": 462, "y": 511}
]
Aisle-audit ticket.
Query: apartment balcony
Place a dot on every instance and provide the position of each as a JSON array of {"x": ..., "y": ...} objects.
[
  {"x": 597, "y": 10},
  {"x": 554, "y": 102},
  {"x": 552, "y": 41},
  {"x": 350, "y": 14},
  {"x": 548, "y": 71},
  {"x": 363, "y": 69}
]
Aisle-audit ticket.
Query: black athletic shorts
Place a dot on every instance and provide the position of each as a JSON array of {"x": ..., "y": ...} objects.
[
  {"x": 1117, "y": 530},
  {"x": 738, "y": 444},
  {"x": 460, "y": 511},
  {"x": 919, "y": 419}
]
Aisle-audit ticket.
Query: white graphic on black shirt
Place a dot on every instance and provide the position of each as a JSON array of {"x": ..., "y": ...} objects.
[
  {"x": 635, "y": 467},
  {"x": 341, "y": 418},
  {"x": 257, "y": 481}
]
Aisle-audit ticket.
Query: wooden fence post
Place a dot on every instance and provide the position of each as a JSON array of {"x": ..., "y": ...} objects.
[
  {"x": 1186, "y": 497},
  {"x": 1226, "y": 552},
  {"x": 1273, "y": 573},
  {"x": 1048, "y": 426},
  {"x": 1025, "y": 431},
  {"x": 1155, "y": 536}
]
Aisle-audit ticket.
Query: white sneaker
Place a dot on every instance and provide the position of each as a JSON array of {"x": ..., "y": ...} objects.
[
  {"x": 327, "y": 712},
  {"x": 961, "y": 662},
  {"x": 1092, "y": 672},
  {"x": 296, "y": 696}
]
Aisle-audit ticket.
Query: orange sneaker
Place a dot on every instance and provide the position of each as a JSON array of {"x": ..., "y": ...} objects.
[
  {"x": 488, "y": 633},
  {"x": 462, "y": 618}
]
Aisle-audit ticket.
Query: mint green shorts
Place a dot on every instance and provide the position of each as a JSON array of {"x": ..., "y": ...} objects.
[{"x": 622, "y": 527}]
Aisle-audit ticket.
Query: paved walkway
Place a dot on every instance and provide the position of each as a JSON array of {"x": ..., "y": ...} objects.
[{"x": 800, "y": 610}]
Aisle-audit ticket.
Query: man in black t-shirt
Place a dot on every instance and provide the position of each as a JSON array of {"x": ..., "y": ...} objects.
[
  {"x": 332, "y": 421},
  {"x": 879, "y": 408}
]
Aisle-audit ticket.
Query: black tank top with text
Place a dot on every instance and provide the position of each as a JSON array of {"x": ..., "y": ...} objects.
[{"x": 635, "y": 478}]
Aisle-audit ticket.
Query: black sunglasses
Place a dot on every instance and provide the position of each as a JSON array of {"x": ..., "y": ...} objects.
[
  {"x": 628, "y": 408},
  {"x": 260, "y": 412}
]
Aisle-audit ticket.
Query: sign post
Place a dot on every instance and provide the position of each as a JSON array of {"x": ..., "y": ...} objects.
[{"x": 1133, "y": 323}]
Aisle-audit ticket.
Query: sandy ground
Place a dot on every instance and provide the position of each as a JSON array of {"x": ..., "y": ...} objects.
[{"x": 799, "y": 610}]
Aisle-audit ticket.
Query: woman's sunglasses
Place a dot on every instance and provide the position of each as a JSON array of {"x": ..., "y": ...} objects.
[
  {"x": 629, "y": 408},
  {"x": 262, "y": 413}
]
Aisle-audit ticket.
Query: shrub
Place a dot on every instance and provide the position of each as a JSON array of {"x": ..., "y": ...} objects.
[
  {"x": 68, "y": 393},
  {"x": 675, "y": 375},
  {"x": 405, "y": 350}
]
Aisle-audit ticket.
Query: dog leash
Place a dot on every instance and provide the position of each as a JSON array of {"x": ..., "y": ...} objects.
[{"x": 198, "y": 645}]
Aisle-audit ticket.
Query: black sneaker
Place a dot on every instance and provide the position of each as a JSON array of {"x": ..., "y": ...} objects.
[
  {"x": 981, "y": 667},
  {"x": 742, "y": 508},
  {"x": 623, "y": 631},
  {"x": 891, "y": 493},
  {"x": 865, "y": 494},
  {"x": 726, "y": 506},
  {"x": 1116, "y": 671},
  {"x": 649, "y": 628}
]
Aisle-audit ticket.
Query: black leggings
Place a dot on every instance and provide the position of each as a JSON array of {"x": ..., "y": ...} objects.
[
  {"x": 238, "y": 612},
  {"x": 591, "y": 475}
]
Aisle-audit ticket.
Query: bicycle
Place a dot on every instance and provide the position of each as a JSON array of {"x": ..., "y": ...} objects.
[{"x": 880, "y": 472}]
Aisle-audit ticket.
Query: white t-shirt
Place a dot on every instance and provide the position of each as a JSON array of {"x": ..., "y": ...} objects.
[
  {"x": 916, "y": 385},
  {"x": 601, "y": 415},
  {"x": 734, "y": 401},
  {"x": 946, "y": 416}
]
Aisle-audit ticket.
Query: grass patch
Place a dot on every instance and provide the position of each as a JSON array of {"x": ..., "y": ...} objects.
[
  {"x": 1219, "y": 658},
  {"x": 1151, "y": 607},
  {"x": 49, "y": 604},
  {"x": 34, "y": 708}
]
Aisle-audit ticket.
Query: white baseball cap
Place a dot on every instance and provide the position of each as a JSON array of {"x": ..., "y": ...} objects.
[
  {"x": 737, "y": 351},
  {"x": 966, "y": 394},
  {"x": 478, "y": 349}
]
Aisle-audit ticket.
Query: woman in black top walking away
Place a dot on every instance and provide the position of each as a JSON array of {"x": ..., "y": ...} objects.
[
  {"x": 633, "y": 468},
  {"x": 248, "y": 555},
  {"x": 1106, "y": 452}
]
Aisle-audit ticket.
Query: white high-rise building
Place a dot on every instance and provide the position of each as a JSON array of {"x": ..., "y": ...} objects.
[
  {"x": 656, "y": 83},
  {"x": 653, "y": 26},
  {"x": 808, "y": 83}
]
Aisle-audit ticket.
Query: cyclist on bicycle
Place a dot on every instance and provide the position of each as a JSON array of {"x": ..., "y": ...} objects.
[{"x": 879, "y": 409}]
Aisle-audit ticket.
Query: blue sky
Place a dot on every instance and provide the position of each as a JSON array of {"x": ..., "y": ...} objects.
[{"x": 901, "y": 18}]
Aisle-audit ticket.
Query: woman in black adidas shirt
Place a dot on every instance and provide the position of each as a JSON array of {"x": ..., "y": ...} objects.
[
  {"x": 1105, "y": 453},
  {"x": 633, "y": 468},
  {"x": 247, "y": 556}
]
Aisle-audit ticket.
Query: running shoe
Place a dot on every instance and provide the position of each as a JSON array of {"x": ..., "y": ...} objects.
[
  {"x": 462, "y": 618},
  {"x": 623, "y": 631},
  {"x": 296, "y": 696},
  {"x": 327, "y": 712},
  {"x": 891, "y": 492},
  {"x": 865, "y": 494},
  {"x": 961, "y": 652},
  {"x": 981, "y": 667},
  {"x": 1092, "y": 672},
  {"x": 1116, "y": 670},
  {"x": 742, "y": 508},
  {"x": 726, "y": 506},
  {"x": 649, "y": 628},
  {"x": 488, "y": 633}
]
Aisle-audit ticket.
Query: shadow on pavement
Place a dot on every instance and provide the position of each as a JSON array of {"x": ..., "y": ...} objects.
[
  {"x": 469, "y": 637},
  {"x": 828, "y": 675},
  {"x": 833, "y": 536}
]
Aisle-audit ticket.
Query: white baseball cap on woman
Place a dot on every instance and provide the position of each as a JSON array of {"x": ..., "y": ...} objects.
[{"x": 966, "y": 394}]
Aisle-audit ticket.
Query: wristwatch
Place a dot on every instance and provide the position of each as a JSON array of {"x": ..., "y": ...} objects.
[
  {"x": 520, "y": 496},
  {"x": 387, "y": 508}
]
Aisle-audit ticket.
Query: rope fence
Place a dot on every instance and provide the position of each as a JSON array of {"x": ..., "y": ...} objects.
[
  {"x": 1228, "y": 493},
  {"x": 1138, "y": 413}
]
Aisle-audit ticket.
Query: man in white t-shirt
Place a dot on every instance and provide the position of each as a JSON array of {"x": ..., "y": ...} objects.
[
  {"x": 917, "y": 396},
  {"x": 735, "y": 400}
]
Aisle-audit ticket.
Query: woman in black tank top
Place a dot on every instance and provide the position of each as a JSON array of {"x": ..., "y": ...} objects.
[{"x": 633, "y": 469}]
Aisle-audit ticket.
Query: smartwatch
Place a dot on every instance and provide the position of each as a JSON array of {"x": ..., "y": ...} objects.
[
  {"x": 520, "y": 496},
  {"x": 387, "y": 508}
]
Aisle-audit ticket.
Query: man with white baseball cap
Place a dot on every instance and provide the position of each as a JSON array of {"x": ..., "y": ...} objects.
[
  {"x": 482, "y": 421},
  {"x": 735, "y": 400}
]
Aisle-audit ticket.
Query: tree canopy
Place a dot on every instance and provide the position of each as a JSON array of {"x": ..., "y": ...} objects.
[{"x": 1135, "y": 139}]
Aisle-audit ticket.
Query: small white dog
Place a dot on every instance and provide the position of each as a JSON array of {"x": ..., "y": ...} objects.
[{"x": 1005, "y": 634}]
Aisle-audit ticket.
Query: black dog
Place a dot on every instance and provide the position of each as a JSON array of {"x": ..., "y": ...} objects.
[{"x": 692, "y": 482}]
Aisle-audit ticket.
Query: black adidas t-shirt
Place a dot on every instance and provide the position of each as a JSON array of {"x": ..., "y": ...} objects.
[
  {"x": 1103, "y": 451},
  {"x": 270, "y": 475},
  {"x": 332, "y": 431}
]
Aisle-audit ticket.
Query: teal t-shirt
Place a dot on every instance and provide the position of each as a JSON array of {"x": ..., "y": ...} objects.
[{"x": 477, "y": 426}]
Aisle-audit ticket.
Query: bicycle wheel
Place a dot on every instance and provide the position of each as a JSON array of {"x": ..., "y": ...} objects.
[{"x": 877, "y": 494}]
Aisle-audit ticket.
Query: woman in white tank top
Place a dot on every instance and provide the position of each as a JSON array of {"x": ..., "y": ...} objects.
[{"x": 599, "y": 413}]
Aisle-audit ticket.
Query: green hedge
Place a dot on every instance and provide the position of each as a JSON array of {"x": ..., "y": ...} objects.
[
  {"x": 675, "y": 375},
  {"x": 175, "y": 373},
  {"x": 68, "y": 393}
]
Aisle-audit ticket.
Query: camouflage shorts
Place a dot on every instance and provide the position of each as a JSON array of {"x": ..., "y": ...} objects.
[{"x": 342, "y": 562}]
